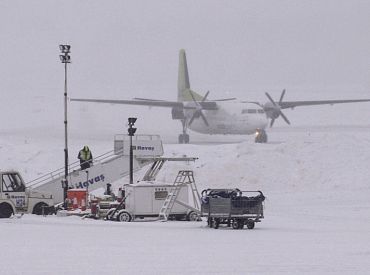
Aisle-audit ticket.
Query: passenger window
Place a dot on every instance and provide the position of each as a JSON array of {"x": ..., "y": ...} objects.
[
  {"x": 160, "y": 195},
  {"x": 249, "y": 111}
]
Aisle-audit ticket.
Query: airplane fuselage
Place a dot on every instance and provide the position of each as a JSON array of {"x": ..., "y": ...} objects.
[{"x": 231, "y": 118}]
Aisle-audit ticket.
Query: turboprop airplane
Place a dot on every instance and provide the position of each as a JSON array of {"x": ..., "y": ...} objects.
[{"x": 221, "y": 116}]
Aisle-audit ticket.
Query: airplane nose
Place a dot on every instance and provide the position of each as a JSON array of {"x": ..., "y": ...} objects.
[{"x": 261, "y": 123}]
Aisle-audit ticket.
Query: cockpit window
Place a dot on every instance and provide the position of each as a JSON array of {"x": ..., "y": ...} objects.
[{"x": 12, "y": 183}]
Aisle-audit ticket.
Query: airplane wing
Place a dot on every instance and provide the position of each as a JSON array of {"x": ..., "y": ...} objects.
[
  {"x": 209, "y": 105},
  {"x": 292, "y": 104},
  {"x": 225, "y": 99},
  {"x": 222, "y": 99},
  {"x": 155, "y": 103},
  {"x": 149, "y": 99},
  {"x": 273, "y": 108}
]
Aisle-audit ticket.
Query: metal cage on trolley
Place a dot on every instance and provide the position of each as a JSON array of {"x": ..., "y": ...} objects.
[{"x": 232, "y": 207}]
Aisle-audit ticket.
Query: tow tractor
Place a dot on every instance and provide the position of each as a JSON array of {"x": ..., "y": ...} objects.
[{"x": 15, "y": 198}]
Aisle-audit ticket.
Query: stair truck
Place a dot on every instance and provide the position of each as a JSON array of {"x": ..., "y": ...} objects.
[
  {"x": 107, "y": 168},
  {"x": 15, "y": 198}
]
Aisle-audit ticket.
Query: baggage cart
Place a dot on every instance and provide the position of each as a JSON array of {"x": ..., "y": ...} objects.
[{"x": 232, "y": 207}]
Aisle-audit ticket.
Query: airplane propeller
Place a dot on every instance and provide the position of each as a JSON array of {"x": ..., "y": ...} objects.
[
  {"x": 198, "y": 113},
  {"x": 273, "y": 110}
]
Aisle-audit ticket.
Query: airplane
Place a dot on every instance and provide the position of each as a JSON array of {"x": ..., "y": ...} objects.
[{"x": 225, "y": 116}]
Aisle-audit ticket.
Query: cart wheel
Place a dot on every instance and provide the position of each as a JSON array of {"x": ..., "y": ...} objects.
[
  {"x": 241, "y": 224},
  {"x": 235, "y": 224},
  {"x": 210, "y": 222},
  {"x": 250, "y": 224},
  {"x": 216, "y": 223},
  {"x": 124, "y": 217}
]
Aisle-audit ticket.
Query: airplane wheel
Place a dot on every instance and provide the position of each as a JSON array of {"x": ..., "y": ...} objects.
[
  {"x": 261, "y": 137},
  {"x": 186, "y": 138},
  {"x": 181, "y": 139},
  {"x": 264, "y": 138}
]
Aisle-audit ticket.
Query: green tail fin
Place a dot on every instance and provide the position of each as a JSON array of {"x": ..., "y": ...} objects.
[{"x": 183, "y": 83}]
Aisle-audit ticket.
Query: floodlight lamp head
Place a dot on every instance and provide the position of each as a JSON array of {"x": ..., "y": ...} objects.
[
  {"x": 132, "y": 120},
  {"x": 65, "y": 58},
  {"x": 131, "y": 131},
  {"x": 65, "y": 48}
]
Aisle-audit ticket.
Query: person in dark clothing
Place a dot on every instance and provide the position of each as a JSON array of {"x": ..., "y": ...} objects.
[{"x": 85, "y": 157}]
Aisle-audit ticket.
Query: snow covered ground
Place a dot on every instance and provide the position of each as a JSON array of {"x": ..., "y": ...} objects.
[
  {"x": 316, "y": 180},
  {"x": 315, "y": 173}
]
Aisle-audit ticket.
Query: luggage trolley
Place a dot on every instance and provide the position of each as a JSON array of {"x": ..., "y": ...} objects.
[{"x": 232, "y": 207}]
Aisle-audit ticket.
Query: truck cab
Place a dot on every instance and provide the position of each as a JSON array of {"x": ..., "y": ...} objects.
[{"x": 15, "y": 198}]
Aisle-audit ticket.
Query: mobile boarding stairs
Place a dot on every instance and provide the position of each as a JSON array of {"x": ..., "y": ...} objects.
[
  {"x": 106, "y": 168},
  {"x": 184, "y": 177}
]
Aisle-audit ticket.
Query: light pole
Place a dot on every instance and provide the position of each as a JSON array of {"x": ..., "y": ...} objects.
[
  {"x": 65, "y": 58},
  {"x": 131, "y": 132}
]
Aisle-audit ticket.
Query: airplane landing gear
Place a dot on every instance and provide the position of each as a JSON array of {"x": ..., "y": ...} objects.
[
  {"x": 184, "y": 138},
  {"x": 261, "y": 136}
]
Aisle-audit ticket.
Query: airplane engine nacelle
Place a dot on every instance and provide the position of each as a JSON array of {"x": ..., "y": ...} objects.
[{"x": 178, "y": 113}]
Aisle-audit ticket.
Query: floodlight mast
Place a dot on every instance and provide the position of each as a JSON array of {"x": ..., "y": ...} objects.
[
  {"x": 131, "y": 132},
  {"x": 65, "y": 58}
]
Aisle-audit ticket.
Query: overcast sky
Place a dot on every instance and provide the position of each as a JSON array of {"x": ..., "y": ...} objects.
[{"x": 123, "y": 49}]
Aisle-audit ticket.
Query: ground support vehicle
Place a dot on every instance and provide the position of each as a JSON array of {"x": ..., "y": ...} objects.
[
  {"x": 145, "y": 200},
  {"x": 232, "y": 207},
  {"x": 148, "y": 198},
  {"x": 15, "y": 198}
]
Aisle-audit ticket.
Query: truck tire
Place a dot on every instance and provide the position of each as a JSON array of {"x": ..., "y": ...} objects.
[
  {"x": 192, "y": 216},
  {"x": 124, "y": 217},
  {"x": 37, "y": 209},
  {"x": 6, "y": 211}
]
